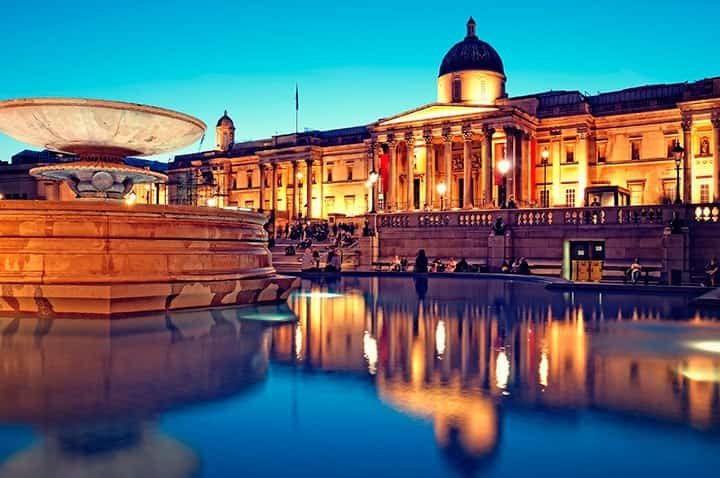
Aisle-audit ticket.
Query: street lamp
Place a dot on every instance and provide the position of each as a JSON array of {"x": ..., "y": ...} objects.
[
  {"x": 298, "y": 199},
  {"x": 131, "y": 198},
  {"x": 441, "y": 188},
  {"x": 212, "y": 201},
  {"x": 503, "y": 167},
  {"x": 678, "y": 152},
  {"x": 545, "y": 155},
  {"x": 372, "y": 180}
]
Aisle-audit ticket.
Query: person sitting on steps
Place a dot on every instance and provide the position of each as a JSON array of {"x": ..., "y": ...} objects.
[
  {"x": 712, "y": 272},
  {"x": 634, "y": 271}
]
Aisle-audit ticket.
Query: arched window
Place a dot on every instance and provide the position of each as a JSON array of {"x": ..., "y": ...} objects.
[{"x": 456, "y": 90}]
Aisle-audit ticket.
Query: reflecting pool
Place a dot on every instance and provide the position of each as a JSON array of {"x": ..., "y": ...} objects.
[{"x": 377, "y": 377}]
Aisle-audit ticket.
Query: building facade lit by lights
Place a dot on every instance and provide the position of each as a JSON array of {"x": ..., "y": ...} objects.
[{"x": 560, "y": 149}]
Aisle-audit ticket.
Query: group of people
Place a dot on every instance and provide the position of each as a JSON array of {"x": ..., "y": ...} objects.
[
  {"x": 517, "y": 266},
  {"x": 310, "y": 261},
  {"x": 400, "y": 264}
]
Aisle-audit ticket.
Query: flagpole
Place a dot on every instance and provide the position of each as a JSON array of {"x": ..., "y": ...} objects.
[{"x": 297, "y": 107}]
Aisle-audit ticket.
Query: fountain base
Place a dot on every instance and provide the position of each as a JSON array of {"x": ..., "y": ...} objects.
[{"x": 104, "y": 259}]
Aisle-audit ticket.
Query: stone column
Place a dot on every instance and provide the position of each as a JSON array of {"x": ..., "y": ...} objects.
[
  {"x": 309, "y": 187},
  {"x": 687, "y": 159},
  {"x": 273, "y": 177},
  {"x": 510, "y": 148},
  {"x": 519, "y": 173},
  {"x": 554, "y": 160},
  {"x": 390, "y": 193},
  {"x": 321, "y": 184},
  {"x": 716, "y": 157},
  {"x": 428, "y": 170},
  {"x": 487, "y": 166},
  {"x": 410, "y": 151},
  {"x": 447, "y": 159},
  {"x": 581, "y": 152},
  {"x": 467, "y": 169},
  {"x": 293, "y": 210},
  {"x": 262, "y": 187}
]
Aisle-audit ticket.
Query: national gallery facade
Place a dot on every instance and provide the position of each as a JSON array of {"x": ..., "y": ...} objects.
[{"x": 476, "y": 147}]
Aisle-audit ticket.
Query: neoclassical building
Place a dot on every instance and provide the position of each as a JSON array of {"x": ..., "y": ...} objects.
[{"x": 476, "y": 147}]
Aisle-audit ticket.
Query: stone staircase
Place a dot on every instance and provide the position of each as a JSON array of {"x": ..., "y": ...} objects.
[{"x": 286, "y": 264}]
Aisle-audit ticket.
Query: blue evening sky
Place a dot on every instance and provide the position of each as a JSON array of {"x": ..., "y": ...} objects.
[{"x": 354, "y": 61}]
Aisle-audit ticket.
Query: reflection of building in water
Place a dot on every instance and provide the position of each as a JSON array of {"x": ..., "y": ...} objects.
[
  {"x": 94, "y": 389},
  {"x": 450, "y": 359}
]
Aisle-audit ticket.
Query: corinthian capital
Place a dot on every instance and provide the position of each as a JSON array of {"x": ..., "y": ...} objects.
[
  {"x": 686, "y": 122},
  {"x": 716, "y": 119},
  {"x": 488, "y": 131}
]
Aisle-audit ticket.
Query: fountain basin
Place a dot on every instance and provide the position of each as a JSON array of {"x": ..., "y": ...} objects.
[{"x": 106, "y": 259}]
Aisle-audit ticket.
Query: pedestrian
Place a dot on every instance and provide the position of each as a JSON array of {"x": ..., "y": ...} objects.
[
  {"x": 712, "y": 271},
  {"x": 421, "y": 261}
]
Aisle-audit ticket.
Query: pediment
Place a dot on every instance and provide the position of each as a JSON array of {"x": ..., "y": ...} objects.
[{"x": 435, "y": 111}]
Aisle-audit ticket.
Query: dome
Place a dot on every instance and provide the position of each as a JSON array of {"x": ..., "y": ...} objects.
[
  {"x": 471, "y": 54},
  {"x": 225, "y": 120}
]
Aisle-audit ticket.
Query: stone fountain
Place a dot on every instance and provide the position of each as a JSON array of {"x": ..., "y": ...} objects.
[{"x": 99, "y": 257}]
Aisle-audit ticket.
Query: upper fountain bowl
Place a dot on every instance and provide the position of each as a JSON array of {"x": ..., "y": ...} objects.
[{"x": 98, "y": 128}]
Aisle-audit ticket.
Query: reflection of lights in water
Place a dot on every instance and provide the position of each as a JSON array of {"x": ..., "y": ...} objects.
[
  {"x": 298, "y": 341},
  {"x": 502, "y": 370},
  {"x": 700, "y": 374},
  {"x": 543, "y": 369},
  {"x": 440, "y": 337},
  {"x": 712, "y": 346},
  {"x": 319, "y": 295},
  {"x": 370, "y": 352}
]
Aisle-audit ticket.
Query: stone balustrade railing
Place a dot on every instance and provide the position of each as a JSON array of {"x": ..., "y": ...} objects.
[{"x": 616, "y": 215}]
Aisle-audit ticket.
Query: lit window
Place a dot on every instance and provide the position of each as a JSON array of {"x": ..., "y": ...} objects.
[
  {"x": 704, "y": 193},
  {"x": 456, "y": 90},
  {"x": 635, "y": 149},
  {"x": 637, "y": 191},
  {"x": 570, "y": 197},
  {"x": 544, "y": 198},
  {"x": 569, "y": 153},
  {"x": 602, "y": 152}
]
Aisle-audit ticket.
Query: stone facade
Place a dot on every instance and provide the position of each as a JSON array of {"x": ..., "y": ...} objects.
[{"x": 449, "y": 154}]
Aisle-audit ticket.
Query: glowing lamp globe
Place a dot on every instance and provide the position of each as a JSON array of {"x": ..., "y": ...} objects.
[{"x": 503, "y": 166}]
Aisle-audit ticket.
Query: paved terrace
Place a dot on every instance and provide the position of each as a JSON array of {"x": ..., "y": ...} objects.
[{"x": 544, "y": 235}]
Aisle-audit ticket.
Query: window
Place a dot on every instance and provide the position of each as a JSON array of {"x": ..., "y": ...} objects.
[
  {"x": 329, "y": 176},
  {"x": 330, "y": 203},
  {"x": 314, "y": 180},
  {"x": 456, "y": 90},
  {"x": 569, "y": 153},
  {"x": 250, "y": 204},
  {"x": 602, "y": 152},
  {"x": 544, "y": 198},
  {"x": 704, "y": 193},
  {"x": 349, "y": 173},
  {"x": 669, "y": 191},
  {"x": 266, "y": 180},
  {"x": 637, "y": 190},
  {"x": 234, "y": 186},
  {"x": 249, "y": 179},
  {"x": 635, "y": 149},
  {"x": 349, "y": 203},
  {"x": 670, "y": 144},
  {"x": 279, "y": 180},
  {"x": 570, "y": 197}
]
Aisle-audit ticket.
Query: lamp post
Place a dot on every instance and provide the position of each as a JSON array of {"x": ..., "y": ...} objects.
[
  {"x": 678, "y": 152},
  {"x": 299, "y": 177},
  {"x": 545, "y": 155},
  {"x": 441, "y": 188},
  {"x": 503, "y": 167},
  {"x": 372, "y": 180}
]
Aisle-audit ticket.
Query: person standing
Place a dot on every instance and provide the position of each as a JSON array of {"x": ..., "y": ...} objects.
[{"x": 421, "y": 261}]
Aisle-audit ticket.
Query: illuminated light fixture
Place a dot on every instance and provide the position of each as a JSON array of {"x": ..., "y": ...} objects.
[
  {"x": 370, "y": 352},
  {"x": 212, "y": 201},
  {"x": 503, "y": 166},
  {"x": 373, "y": 177},
  {"x": 131, "y": 198},
  {"x": 502, "y": 370},
  {"x": 545, "y": 154},
  {"x": 441, "y": 188},
  {"x": 368, "y": 184},
  {"x": 712, "y": 346},
  {"x": 440, "y": 338},
  {"x": 701, "y": 374},
  {"x": 2, "y": 197},
  {"x": 319, "y": 295},
  {"x": 543, "y": 369},
  {"x": 299, "y": 175}
]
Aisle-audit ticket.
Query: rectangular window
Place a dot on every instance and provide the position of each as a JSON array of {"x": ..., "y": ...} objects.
[
  {"x": 349, "y": 173},
  {"x": 704, "y": 193},
  {"x": 330, "y": 203},
  {"x": 635, "y": 149},
  {"x": 670, "y": 144},
  {"x": 349, "y": 203},
  {"x": 329, "y": 175},
  {"x": 602, "y": 152},
  {"x": 570, "y": 197},
  {"x": 668, "y": 191},
  {"x": 569, "y": 153},
  {"x": 456, "y": 90},
  {"x": 544, "y": 198},
  {"x": 249, "y": 179},
  {"x": 637, "y": 193}
]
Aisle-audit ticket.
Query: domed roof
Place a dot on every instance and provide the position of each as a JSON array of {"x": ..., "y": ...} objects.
[
  {"x": 471, "y": 54},
  {"x": 225, "y": 120}
]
